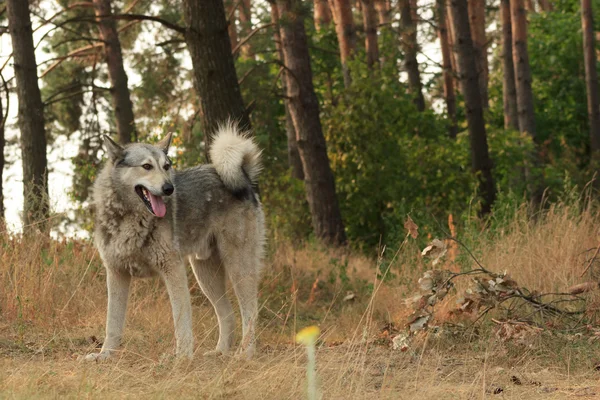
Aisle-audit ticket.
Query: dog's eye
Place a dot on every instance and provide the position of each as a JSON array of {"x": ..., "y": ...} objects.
[
  {"x": 147, "y": 167},
  {"x": 166, "y": 167}
]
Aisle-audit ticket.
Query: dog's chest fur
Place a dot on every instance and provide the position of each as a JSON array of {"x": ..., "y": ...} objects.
[{"x": 133, "y": 242}]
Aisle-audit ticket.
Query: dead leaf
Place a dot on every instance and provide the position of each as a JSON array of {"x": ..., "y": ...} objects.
[
  {"x": 411, "y": 227},
  {"x": 419, "y": 323},
  {"x": 400, "y": 342},
  {"x": 436, "y": 250},
  {"x": 349, "y": 296}
]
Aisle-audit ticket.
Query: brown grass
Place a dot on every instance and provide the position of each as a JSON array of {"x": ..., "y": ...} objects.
[{"x": 53, "y": 300}]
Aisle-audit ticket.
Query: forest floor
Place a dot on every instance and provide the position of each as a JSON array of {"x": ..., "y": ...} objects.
[{"x": 53, "y": 304}]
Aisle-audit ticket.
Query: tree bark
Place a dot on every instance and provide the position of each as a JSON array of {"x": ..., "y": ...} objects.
[
  {"x": 2, "y": 161},
  {"x": 346, "y": 34},
  {"x": 322, "y": 14},
  {"x": 449, "y": 94},
  {"x": 304, "y": 108},
  {"x": 214, "y": 71},
  {"x": 591, "y": 82},
  {"x": 231, "y": 27},
  {"x": 294, "y": 160},
  {"x": 383, "y": 8},
  {"x": 546, "y": 5},
  {"x": 480, "y": 158},
  {"x": 509, "y": 90},
  {"x": 370, "y": 22},
  {"x": 477, "y": 21},
  {"x": 409, "y": 44},
  {"x": 245, "y": 14},
  {"x": 451, "y": 36},
  {"x": 525, "y": 109},
  {"x": 123, "y": 108},
  {"x": 31, "y": 115}
]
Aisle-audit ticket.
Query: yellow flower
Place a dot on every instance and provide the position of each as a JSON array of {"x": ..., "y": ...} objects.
[{"x": 308, "y": 336}]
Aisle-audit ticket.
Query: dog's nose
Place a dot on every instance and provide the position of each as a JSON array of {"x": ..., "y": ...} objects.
[{"x": 168, "y": 189}]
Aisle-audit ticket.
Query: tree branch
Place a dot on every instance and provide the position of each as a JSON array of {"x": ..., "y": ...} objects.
[{"x": 245, "y": 40}]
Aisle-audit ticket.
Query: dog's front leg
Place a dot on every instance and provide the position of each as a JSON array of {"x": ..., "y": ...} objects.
[
  {"x": 117, "y": 284},
  {"x": 179, "y": 294}
]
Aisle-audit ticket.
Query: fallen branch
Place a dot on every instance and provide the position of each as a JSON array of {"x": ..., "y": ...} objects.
[{"x": 583, "y": 287}]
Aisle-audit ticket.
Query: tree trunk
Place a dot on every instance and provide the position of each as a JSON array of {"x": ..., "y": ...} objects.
[
  {"x": 477, "y": 21},
  {"x": 525, "y": 110},
  {"x": 451, "y": 36},
  {"x": 322, "y": 14},
  {"x": 294, "y": 160},
  {"x": 521, "y": 64},
  {"x": 2, "y": 160},
  {"x": 370, "y": 22},
  {"x": 591, "y": 81},
  {"x": 480, "y": 158},
  {"x": 245, "y": 13},
  {"x": 409, "y": 44},
  {"x": 231, "y": 27},
  {"x": 545, "y": 5},
  {"x": 449, "y": 94},
  {"x": 122, "y": 105},
  {"x": 529, "y": 6},
  {"x": 31, "y": 115},
  {"x": 509, "y": 90},
  {"x": 346, "y": 34},
  {"x": 304, "y": 108},
  {"x": 214, "y": 71},
  {"x": 383, "y": 8}
]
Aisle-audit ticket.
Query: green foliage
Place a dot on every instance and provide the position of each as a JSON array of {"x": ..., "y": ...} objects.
[{"x": 389, "y": 159}]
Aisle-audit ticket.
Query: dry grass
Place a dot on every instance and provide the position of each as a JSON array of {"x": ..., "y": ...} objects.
[{"x": 52, "y": 300}]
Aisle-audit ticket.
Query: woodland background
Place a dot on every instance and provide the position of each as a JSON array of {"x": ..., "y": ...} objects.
[{"x": 430, "y": 187}]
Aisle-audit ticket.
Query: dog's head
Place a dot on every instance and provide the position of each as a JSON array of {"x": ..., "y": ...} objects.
[{"x": 143, "y": 173}]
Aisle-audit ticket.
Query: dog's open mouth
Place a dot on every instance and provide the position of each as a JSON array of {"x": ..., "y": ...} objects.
[{"x": 155, "y": 204}]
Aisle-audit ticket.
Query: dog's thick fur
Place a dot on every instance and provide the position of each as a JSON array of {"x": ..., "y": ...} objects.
[{"x": 213, "y": 219}]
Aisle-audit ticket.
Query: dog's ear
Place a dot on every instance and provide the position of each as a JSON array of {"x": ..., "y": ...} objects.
[
  {"x": 165, "y": 142},
  {"x": 115, "y": 150}
]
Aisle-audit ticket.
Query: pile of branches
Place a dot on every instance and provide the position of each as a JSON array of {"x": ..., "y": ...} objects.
[{"x": 516, "y": 308}]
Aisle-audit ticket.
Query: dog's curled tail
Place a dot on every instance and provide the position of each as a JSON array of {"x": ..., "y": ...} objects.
[{"x": 235, "y": 156}]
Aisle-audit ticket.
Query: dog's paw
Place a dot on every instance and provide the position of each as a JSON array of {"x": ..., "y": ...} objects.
[
  {"x": 97, "y": 357},
  {"x": 215, "y": 353}
]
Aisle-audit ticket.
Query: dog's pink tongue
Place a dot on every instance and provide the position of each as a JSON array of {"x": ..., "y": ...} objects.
[{"x": 158, "y": 205}]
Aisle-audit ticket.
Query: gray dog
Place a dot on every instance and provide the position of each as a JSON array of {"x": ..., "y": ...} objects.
[{"x": 151, "y": 218}]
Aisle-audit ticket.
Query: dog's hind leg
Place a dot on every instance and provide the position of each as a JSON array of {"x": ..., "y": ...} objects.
[
  {"x": 179, "y": 294},
  {"x": 243, "y": 268},
  {"x": 117, "y": 284},
  {"x": 211, "y": 278}
]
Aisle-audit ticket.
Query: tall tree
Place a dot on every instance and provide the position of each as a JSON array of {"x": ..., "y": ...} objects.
[
  {"x": 591, "y": 81},
  {"x": 214, "y": 71},
  {"x": 304, "y": 108},
  {"x": 370, "y": 23},
  {"x": 123, "y": 108},
  {"x": 230, "y": 6},
  {"x": 322, "y": 14},
  {"x": 245, "y": 14},
  {"x": 410, "y": 47},
  {"x": 509, "y": 90},
  {"x": 2, "y": 160},
  {"x": 31, "y": 114},
  {"x": 480, "y": 157},
  {"x": 477, "y": 21},
  {"x": 294, "y": 160},
  {"x": 383, "y": 8},
  {"x": 449, "y": 93},
  {"x": 521, "y": 64},
  {"x": 451, "y": 36},
  {"x": 346, "y": 34},
  {"x": 546, "y": 5}
]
